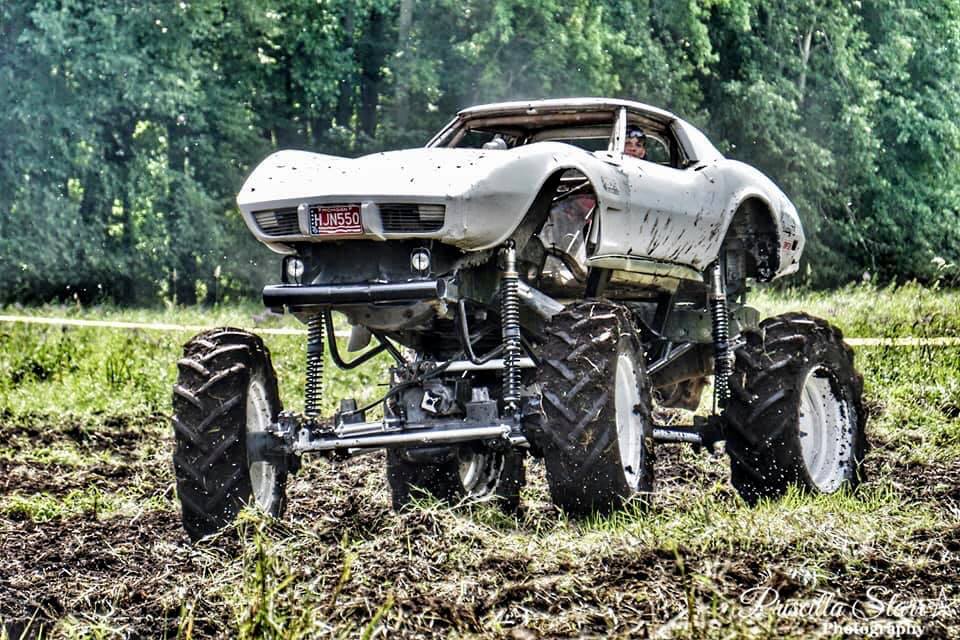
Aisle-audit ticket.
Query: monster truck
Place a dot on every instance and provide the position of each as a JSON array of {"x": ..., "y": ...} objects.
[{"x": 538, "y": 292}]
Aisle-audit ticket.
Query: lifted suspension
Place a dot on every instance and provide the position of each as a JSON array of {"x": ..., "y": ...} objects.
[
  {"x": 510, "y": 328},
  {"x": 313, "y": 390},
  {"x": 722, "y": 354},
  {"x": 347, "y": 432},
  {"x": 706, "y": 431}
]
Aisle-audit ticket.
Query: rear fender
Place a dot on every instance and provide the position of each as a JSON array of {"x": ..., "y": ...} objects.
[{"x": 778, "y": 218}]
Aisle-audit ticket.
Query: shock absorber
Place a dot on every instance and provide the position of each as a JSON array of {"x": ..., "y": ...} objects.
[
  {"x": 510, "y": 328},
  {"x": 313, "y": 392},
  {"x": 720, "y": 318}
]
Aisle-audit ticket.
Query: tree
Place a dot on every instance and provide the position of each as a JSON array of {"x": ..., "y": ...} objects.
[
  {"x": 787, "y": 94},
  {"x": 130, "y": 128},
  {"x": 909, "y": 209}
]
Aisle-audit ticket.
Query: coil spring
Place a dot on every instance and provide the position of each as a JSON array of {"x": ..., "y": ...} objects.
[
  {"x": 313, "y": 392},
  {"x": 510, "y": 323},
  {"x": 720, "y": 318}
]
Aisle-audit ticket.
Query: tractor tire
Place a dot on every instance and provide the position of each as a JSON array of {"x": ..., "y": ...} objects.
[
  {"x": 597, "y": 432},
  {"x": 796, "y": 415},
  {"x": 465, "y": 474},
  {"x": 226, "y": 388}
]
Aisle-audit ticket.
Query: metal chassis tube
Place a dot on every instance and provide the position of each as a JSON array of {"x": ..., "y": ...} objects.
[
  {"x": 375, "y": 435},
  {"x": 364, "y": 436}
]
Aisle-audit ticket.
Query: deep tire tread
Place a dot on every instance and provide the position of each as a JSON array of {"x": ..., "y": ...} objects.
[
  {"x": 762, "y": 421},
  {"x": 577, "y": 436},
  {"x": 209, "y": 424}
]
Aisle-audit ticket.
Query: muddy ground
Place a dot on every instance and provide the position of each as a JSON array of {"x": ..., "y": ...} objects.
[{"x": 107, "y": 555}]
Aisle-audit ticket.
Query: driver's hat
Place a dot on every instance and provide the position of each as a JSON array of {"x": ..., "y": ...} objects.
[{"x": 636, "y": 132}]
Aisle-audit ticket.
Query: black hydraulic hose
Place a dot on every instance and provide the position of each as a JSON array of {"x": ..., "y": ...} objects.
[
  {"x": 335, "y": 352},
  {"x": 464, "y": 335},
  {"x": 403, "y": 386},
  {"x": 385, "y": 342}
]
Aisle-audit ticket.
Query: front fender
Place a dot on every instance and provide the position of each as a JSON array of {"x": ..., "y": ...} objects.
[{"x": 488, "y": 213}]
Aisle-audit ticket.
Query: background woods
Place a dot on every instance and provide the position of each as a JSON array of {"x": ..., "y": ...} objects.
[{"x": 127, "y": 128}]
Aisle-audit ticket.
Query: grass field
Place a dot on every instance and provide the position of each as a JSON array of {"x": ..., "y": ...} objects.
[{"x": 91, "y": 544}]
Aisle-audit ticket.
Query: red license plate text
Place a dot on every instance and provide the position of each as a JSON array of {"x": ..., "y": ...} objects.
[{"x": 335, "y": 220}]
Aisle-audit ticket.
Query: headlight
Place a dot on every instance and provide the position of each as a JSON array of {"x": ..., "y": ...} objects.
[
  {"x": 293, "y": 269},
  {"x": 420, "y": 261}
]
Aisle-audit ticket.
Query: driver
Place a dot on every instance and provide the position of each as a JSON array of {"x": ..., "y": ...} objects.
[{"x": 636, "y": 143}]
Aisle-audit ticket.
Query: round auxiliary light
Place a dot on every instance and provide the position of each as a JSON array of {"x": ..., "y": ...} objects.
[
  {"x": 295, "y": 269},
  {"x": 420, "y": 261}
]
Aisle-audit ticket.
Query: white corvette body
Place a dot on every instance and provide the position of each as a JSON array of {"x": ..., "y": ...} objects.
[
  {"x": 539, "y": 292},
  {"x": 665, "y": 217}
]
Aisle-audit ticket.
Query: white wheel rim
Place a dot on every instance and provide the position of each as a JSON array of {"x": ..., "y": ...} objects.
[
  {"x": 629, "y": 421},
  {"x": 479, "y": 472},
  {"x": 827, "y": 427},
  {"x": 263, "y": 475}
]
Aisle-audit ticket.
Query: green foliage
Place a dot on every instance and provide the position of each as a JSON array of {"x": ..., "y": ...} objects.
[
  {"x": 865, "y": 310},
  {"x": 268, "y": 578},
  {"x": 90, "y": 502},
  {"x": 86, "y": 369},
  {"x": 115, "y": 371},
  {"x": 131, "y": 128},
  {"x": 911, "y": 206},
  {"x": 852, "y": 108}
]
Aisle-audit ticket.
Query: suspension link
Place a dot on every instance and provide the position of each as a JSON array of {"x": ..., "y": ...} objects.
[
  {"x": 313, "y": 392},
  {"x": 510, "y": 329}
]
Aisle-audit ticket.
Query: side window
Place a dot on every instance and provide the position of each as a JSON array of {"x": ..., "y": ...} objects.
[
  {"x": 661, "y": 143},
  {"x": 476, "y": 138},
  {"x": 657, "y": 151}
]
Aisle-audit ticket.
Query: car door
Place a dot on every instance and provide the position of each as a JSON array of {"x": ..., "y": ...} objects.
[{"x": 671, "y": 214}]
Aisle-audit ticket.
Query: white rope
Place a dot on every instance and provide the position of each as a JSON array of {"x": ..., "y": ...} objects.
[
  {"x": 150, "y": 326},
  {"x": 945, "y": 341}
]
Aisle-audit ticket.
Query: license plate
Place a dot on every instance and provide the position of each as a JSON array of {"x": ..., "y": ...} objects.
[{"x": 335, "y": 220}]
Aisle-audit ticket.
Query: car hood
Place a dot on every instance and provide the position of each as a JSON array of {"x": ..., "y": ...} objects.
[{"x": 412, "y": 173}]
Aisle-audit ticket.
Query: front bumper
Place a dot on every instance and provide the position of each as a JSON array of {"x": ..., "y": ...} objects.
[{"x": 313, "y": 295}]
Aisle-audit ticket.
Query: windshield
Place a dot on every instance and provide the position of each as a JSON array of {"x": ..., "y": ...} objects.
[{"x": 588, "y": 130}]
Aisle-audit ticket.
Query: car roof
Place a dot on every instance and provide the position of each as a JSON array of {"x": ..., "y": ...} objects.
[{"x": 565, "y": 104}]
